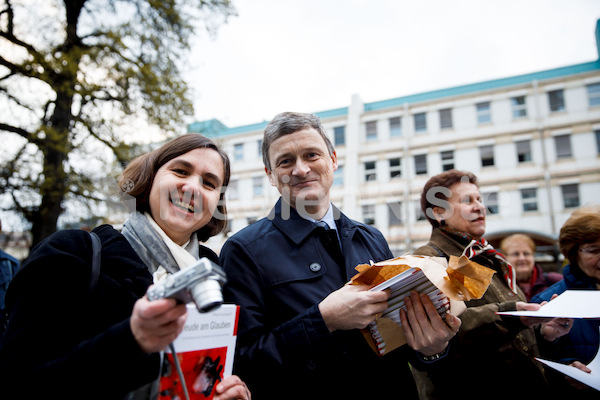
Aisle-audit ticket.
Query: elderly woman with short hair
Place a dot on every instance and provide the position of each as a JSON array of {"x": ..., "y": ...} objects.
[
  {"x": 490, "y": 353},
  {"x": 531, "y": 278}
]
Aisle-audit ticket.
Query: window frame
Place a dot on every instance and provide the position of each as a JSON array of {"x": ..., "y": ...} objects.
[
  {"x": 529, "y": 199},
  {"x": 519, "y": 110},
  {"x": 422, "y": 157},
  {"x": 556, "y": 100},
  {"x": 484, "y": 112},
  {"x": 523, "y": 149},
  {"x": 446, "y": 119},
  {"x": 420, "y": 120},
  {"x": 486, "y": 154}
]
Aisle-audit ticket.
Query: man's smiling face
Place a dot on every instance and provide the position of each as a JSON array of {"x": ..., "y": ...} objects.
[{"x": 302, "y": 170}]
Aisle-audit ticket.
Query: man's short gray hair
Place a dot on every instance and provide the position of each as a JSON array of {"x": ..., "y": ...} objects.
[{"x": 287, "y": 123}]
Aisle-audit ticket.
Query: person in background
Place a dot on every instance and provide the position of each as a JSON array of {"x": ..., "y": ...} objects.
[
  {"x": 520, "y": 251},
  {"x": 299, "y": 332},
  {"x": 490, "y": 353},
  {"x": 8, "y": 268},
  {"x": 579, "y": 242},
  {"x": 67, "y": 340}
]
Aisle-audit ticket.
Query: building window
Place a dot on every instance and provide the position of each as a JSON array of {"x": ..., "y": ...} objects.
[
  {"x": 594, "y": 94},
  {"x": 491, "y": 203},
  {"x": 259, "y": 147},
  {"x": 370, "y": 171},
  {"x": 597, "y": 133},
  {"x": 338, "y": 176},
  {"x": 447, "y": 160},
  {"x": 395, "y": 167},
  {"x": 421, "y": 164},
  {"x": 557, "y": 100},
  {"x": 257, "y": 186},
  {"x": 446, "y": 118},
  {"x": 395, "y": 127},
  {"x": 238, "y": 151},
  {"x": 339, "y": 136},
  {"x": 368, "y": 212},
  {"x": 419, "y": 211},
  {"x": 524, "y": 151},
  {"x": 519, "y": 108},
  {"x": 570, "y": 195},
  {"x": 487, "y": 155},
  {"x": 420, "y": 122},
  {"x": 232, "y": 190},
  {"x": 371, "y": 130},
  {"x": 529, "y": 199},
  {"x": 563, "y": 146},
  {"x": 394, "y": 214},
  {"x": 484, "y": 114}
]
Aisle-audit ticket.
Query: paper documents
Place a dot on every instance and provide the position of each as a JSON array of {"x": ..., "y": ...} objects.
[
  {"x": 591, "y": 379},
  {"x": 570, "y": 304},
  {"x": 447, "y": 284},
  {"x": 205, "y": 350}
]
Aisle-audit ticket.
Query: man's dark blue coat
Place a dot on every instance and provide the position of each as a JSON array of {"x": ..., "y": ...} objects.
[{"x": 279, "y": 270}]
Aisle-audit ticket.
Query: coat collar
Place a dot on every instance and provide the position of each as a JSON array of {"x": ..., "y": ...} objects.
[
  {"x": 445, "y": 243},
  {"x": 288, "y": 221}
]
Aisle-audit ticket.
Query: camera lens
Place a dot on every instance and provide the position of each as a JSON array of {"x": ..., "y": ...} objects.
[{"x": 207, "y": 295}]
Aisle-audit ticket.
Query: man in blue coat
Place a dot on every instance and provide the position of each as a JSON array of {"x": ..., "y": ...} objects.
[{"x": 299, "y": 331}]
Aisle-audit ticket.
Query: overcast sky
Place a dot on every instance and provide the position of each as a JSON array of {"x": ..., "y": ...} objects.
[{"x": 313, "y": 55}]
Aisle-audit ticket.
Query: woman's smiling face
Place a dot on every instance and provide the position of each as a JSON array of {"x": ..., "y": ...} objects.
[{"x": 185, "y": 193}]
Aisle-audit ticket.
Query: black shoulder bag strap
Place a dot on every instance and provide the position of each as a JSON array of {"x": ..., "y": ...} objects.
[{"x": 96, "y": 247}]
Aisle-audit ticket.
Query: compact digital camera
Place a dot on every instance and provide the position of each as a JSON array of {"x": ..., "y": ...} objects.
[{"x": 200, "y": 283}]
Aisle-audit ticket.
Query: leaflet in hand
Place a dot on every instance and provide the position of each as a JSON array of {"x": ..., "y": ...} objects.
[
  {"x": 591, "y": 379},
  {"x": 570, "y": 304}
]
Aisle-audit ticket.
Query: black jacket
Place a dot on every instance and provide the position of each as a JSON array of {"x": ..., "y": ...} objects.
[
  {"x": 66, "y": 342},
  {"x": 278, "y": 271}
]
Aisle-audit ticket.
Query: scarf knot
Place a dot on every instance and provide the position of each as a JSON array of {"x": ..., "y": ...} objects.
[{"x": 482, "y": 246}]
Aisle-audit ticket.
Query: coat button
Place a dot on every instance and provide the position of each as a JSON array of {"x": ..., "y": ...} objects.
[
  {"x": 315, "y": 267},
  {"x": 311, "y": 365}
]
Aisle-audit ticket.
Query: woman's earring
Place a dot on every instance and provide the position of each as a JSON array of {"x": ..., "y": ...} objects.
[{"x": 442, "y": 222}]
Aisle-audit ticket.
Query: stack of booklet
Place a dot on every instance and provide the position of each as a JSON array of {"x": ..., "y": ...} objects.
[
  {"x": 401, "y": 285},
  {"x": 448, "y": 283}
]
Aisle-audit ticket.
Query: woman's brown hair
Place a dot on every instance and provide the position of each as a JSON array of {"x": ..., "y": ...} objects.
[
  {"x": 138, "y": 177},
  {"x": 583, "y": 226}
]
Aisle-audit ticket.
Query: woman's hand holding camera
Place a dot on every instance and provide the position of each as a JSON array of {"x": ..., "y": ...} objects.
[{"x": 155, "y": 324}]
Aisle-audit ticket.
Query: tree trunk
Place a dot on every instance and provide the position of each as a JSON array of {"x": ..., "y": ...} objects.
[{"x": 56, "y": 144}]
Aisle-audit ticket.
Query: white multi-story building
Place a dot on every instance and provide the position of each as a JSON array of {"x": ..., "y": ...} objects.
[{"x": 533, "y": 141}]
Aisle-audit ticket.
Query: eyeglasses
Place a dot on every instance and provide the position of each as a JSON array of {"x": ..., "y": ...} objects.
[
  {"x": 591, "y": 252},
  {"x": 524, "y": 254}
]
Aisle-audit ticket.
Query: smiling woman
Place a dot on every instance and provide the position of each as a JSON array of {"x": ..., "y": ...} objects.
[
  {"x": 179, "y": 201},
  {"x": 188, "y": 177}
]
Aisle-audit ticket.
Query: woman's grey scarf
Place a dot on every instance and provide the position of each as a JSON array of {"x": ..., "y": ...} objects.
[
  {"x": 153, "y": 251},
  {"x": 150, "y": 247}
]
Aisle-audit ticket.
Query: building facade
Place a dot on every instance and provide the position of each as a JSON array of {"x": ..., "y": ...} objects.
[{"x": 533, "y": 141}]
